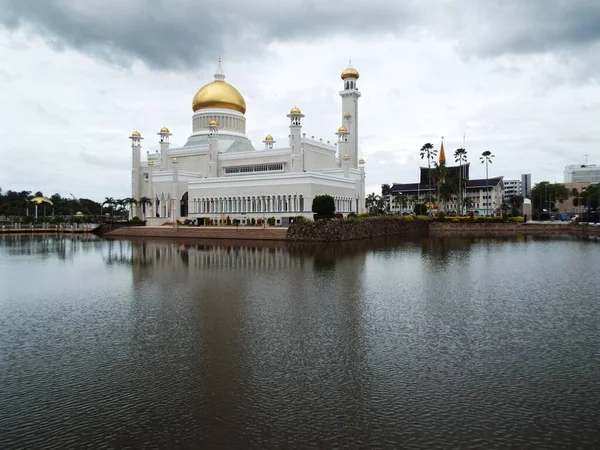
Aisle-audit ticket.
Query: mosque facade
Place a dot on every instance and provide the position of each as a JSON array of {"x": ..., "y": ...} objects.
[{"x": 219, "y": 175}]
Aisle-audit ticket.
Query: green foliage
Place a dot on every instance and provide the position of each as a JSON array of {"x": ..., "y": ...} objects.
[
  {"x": 253, "y": 221},
  {"x": 420, "y": 209},
  {"x": 351, "y": 215},
  {"x": 545, "y": 195},
  {"x": 363, "y": 214},
  {"x": 323, "y": 205},
  {"x": 271, "y": 221}
]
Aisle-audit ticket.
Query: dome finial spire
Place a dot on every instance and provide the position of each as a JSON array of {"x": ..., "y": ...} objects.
[{"x": 219, "y": 74}]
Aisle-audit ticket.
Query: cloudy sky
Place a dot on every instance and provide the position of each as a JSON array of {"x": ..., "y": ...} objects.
[{"x": 517, "y": 77}]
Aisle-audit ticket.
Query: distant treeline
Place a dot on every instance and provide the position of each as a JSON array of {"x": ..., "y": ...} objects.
[{"x": 13, "y": 203}]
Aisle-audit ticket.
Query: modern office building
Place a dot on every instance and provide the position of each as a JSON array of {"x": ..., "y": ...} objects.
[{"x": 582, "y": 173}]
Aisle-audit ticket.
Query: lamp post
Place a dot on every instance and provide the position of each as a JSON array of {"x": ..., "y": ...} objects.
[{"x": 486, "y": 157}]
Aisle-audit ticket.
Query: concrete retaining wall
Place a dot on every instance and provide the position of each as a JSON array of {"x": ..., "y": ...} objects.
[
  {"x": 446, "y": 229},
  {"x": 334, "y": 231}
]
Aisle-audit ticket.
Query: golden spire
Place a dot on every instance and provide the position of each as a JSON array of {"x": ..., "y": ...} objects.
[{"x": 442, "y": 153}]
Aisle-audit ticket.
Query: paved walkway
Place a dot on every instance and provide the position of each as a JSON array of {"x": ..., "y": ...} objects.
[{"x": 204, "y": 232}]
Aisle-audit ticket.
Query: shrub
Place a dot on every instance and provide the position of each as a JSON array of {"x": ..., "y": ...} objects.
[
  {"x": 364, "y": 214},
  {"x": 351, "y": 215},
  {"x": 271, "y": 221},
  {"x": 420, "y": 209},
  {"x": 323, "y": 205},
  {"x": 253, "y": 221}
]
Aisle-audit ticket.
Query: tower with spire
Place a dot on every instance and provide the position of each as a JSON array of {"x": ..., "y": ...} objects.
[{"x": 350, "y": 95}]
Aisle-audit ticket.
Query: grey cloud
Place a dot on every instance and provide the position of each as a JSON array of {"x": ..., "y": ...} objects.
[
  {"x": 189, "y": 33},
  {"x": 176, "y": 34}
]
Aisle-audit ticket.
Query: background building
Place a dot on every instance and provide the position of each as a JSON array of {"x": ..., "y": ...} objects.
[
  {"x": 582, "y": 173},
  {"x": 520, "y": 187}
]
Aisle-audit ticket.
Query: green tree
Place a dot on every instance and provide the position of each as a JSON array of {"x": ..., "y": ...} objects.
[
  {"x": 144, "y": 202},
  {"x": 323, "y": 205},
  {"x": 429, "y": 153},
  {"x": 545, "y": 195},
  {"x": 460, "y": 156}
]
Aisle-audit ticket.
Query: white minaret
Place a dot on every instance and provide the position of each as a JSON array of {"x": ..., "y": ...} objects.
[
  {"x": 361, "y": 189},
  {"x": 175, "y": 207},
  {"x": 295, "y": 116},
  {"x": 269, "y": 142},
  {"x": 350, "y": 96},
  {"x": 136, "y": 175},
  {"x": 213, "y": 151},
  {"x": 164, "y": 147}
]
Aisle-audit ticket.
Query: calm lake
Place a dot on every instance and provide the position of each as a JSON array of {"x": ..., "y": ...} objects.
[{"x": 417, "y": 344}]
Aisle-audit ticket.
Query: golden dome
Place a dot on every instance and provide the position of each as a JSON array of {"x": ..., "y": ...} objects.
[
  {"x": 164, "y": 130},
  {"x": 219, "y": 94},
  {"x": 136, "y": 134},
  {"x": 350, "y": 72},
  {"x": 39, "y": 200},
  {"x": 213, "y": 123},
  {"x": 346, "y": 156},
  {"x": 295, "y": 110},
  {"x": 361, "y": 160},
  {"x": 347, "y": 114},
  {"x": 269, "y": 138},
  {"x": 342, "y": 129}
]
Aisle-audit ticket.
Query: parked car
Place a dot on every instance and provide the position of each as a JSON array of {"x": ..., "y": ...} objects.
[{"x": 565, "y": 217}]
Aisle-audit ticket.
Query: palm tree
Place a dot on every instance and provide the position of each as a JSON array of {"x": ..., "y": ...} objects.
[
  {"x": 427, "y": 151},
  {"x": 486, "y": 157},
  {"x": 399, "y": 200},
  {"x": 143, "y": 202},
  {"x": 111, "y": 204},
  {"x": 460, "y": 156},
  {"x": 129, "y": 201}
]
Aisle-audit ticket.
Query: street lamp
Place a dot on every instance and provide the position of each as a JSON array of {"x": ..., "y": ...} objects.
[{"x": 486, "y": 157}]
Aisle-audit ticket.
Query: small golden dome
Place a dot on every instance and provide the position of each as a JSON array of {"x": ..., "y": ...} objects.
[
  {"x": 361, "y": 160},
  {"x": 347, "y": 114},
  {"x": 219, "y": 94},
  {"x": 350, "y": 72},
  {"x": 39, "y": 200},
  {"x": 342, "y": 129},
  {"x": 164, "y": 130},
  {"x": 269, "y": 138},
  {"x": 213, "y": 123},
  {"x": 136, "y": 134},
  {"x": 174, "y": 159},
  {"x": 295, "y": 110},
  {"x": 346, "y": 156}
]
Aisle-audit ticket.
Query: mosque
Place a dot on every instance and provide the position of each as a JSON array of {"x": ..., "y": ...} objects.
[{"x": 218, "y": 174}]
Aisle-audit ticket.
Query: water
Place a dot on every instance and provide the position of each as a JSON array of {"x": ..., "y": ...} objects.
[{"x": 433, "y": 343}]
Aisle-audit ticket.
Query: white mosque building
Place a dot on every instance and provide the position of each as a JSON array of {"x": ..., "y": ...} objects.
[{"x": 218, "y": 174}]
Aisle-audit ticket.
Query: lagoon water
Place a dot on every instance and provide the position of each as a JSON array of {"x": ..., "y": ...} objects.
[{"x": 417, "y": 344}]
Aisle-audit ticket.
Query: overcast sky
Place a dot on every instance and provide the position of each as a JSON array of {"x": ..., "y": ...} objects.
[{"x": 517, "y": 77}]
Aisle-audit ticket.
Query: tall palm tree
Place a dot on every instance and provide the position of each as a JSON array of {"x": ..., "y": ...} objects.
[
  {"x": 111, "y": 204},
  {"x": 486, "y": 157},
  {"x": 129, "y": 201},
  {"x": 143, "y": 202},
  {"x": 399, "y": 200},
  {"x": 428, "y": 152},
  {"x": 460, "y": 156}
]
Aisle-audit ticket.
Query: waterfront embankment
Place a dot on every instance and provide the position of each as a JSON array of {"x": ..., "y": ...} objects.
[
  {"x": 540, "y": 229},
  {"x": 340, "y": 231},
  {"x": 205, "y": 232}
]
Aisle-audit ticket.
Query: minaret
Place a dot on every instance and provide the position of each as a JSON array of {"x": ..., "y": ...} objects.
[
  {"x": 213, "y": 143},
  {"x": 151, "y": 196},
  {"x": 269, "y": 142},
  {"x": 346, "y": 165},
  {"x": 136, "y": 175},
  {"x": 342, "y": 144},
  {"x": 164, "y": 147},
  {"x": 295, "y": 116},
  {"x": 361, "y": 190},
  {"x": 350, "y": 95},
  {"x": 175, "y": 207}
]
